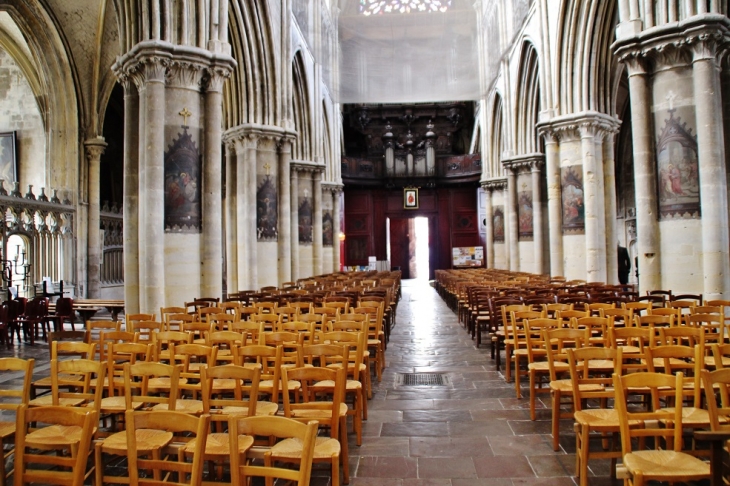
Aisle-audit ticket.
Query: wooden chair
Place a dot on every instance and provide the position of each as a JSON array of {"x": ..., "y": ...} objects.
[
  {"x": 137, "y": 395},
  {"x": 557, "y": 341},
  {"x": 162, "y": 341},
  {"x": 71, "y": 384},
  {"x": 538, "y": 367},
  {"x": 187, "y": 433},
  {"x": 268, "y": 359},
  {"x": 66, "y": 349},
  {"x": 587, "y": 384},
  {"x": 12, "y": 398},
  {"x": 167, "y": 312},
  {"x": 668, "y": 464},
  {"x": 515, "y": 346},
  {"x": 249, "y": 330},
  {"x": 69, "y": 463},
  {"x": 64, "y": 312},
  {"x": 96, "y": 328},
  {"x": 146, "y": 329},
  {"x": 302, "y": 439},
  {"x": 330, "y": 413}
]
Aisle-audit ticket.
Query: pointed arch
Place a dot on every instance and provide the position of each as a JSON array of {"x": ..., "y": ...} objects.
[
  {"x": 528, "y": 96},
  {"x": 56, "y": 87},
  {"x": 327, "y": 142},
  {"x": 496, "y": 137},
  {"x": 302, "y": 148},
  {"x": 588, "y": 66},
  {"x": 250, "y": 95}
]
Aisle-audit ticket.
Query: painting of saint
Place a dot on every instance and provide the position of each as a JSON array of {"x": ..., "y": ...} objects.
[
  {"x": 182, "y": 189},
  {"x": 7, "y": 158},
  {"x": 524, "y": 211},
  {"x": 573, "y": 201},
  {"x": 305, "y": 220},
  {"x": 327, "y": 229},
  {"x": 498, "y": 224},
  {"x": 267, "y": 214},
  {"x": 677, "y": 170}
]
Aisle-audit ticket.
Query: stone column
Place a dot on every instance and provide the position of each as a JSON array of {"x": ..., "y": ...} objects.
[
  {"x": 489, "y": 210},
  {"x": 336, "y": 223},
  {"x": 247, "y": 238},
  {"x": 212, "y": 262},
  {"x": 284, "y": 240},
  {"x": 609, "y": 197},
  {"x": 537, "y": 216},
  {"x": 595, "y": 223},
  {"x": 130, "y": 199},
  {"x": 94, "y": 148},
  {"x": 647, "y": 225},
  {"x": 512, "y": 221},
  {"x": 294, "y": 222},
  {"x": 555, "y": 202},
  {"x": 711, "y": 155},
  {"x": 152, "y": 165},
  {"x": 317, "y": 221},
  {"x": 231, "y": 222}
]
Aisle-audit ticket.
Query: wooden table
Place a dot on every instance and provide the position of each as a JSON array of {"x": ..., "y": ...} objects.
[{"x": 88, "y": 307}]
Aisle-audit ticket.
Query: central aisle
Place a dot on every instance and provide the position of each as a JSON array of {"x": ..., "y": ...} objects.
[{"x": 472, "y": 431}]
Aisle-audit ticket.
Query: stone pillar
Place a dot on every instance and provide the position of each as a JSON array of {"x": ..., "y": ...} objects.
[
  {"x": 647, "y": 225},
  {"x": 212, "y": 261},
  {"x": 555, "y": 203},
  {"x": 231, "y": 222},
  {"x": 94, "y": 148},
  {"x": 537, "y": 216},
  {"x": 294, "y": 222},
  {"x": 609, "y": 197},
  {"x": 336, "y": 229},
  {"x": 512, "y": 228},
  {"x": 317, "y": 221},
  {"x": 152, "y": 166},
  {"x": 130, "y": 199},
  {"x": 711, "y": 155},
  {"x": 284, "y": 240},
  {"x": 247, "y": 207},
  {"x": 595, "y": 223},
  {"x": 489, "y": 186}
]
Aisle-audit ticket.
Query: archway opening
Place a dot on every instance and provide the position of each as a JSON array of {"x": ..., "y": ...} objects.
[{"x": 408, "y": 246}]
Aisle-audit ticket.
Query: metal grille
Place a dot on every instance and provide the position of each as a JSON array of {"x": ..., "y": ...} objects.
[{"x": 422, "y": 379}]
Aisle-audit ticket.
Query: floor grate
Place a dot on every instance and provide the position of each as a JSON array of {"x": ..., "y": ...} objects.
[{"x": 422, "y": 379}]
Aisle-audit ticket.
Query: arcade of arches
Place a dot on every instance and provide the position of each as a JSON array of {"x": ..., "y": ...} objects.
[{"x": 155, "y": 150}]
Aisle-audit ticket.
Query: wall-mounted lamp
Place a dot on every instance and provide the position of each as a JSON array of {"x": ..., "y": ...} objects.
[{"x": 342, "y": 236}]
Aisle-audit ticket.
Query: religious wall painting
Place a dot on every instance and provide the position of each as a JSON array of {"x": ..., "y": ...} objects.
[
  {"x": 267, "y": 214},
  {"x": 8, "y": 158},
  {"x": 524, "y": 214},
  {"x": 498, "y": 224},
  {"x": 573, "y": 203},
  {"x": 182, "y": 164},
  {"x": 678, "y": 181},
  {"x": 305, "y": 220},
  {"x": 327, "y": 229}
]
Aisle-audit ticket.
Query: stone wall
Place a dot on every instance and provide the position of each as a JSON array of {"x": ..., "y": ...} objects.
[{"x": 19, "y": 112}]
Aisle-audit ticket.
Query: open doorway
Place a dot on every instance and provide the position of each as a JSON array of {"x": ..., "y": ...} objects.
[{"x": 408, "y": 246}]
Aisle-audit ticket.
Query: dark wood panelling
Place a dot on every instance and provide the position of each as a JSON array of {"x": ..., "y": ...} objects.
[{"x": 452, "y": 214}]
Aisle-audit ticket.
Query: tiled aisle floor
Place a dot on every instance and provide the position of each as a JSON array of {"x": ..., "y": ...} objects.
[{"x": 472, "y": 432}]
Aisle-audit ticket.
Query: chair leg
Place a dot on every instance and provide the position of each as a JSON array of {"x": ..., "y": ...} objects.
[{"x": 556, "y": 397}]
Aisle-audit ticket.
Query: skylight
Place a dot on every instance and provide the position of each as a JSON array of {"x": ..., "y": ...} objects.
[{"x": 379, "y": 7}]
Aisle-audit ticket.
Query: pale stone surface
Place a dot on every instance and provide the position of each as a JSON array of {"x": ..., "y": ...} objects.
[
  {"x": 268, "y": 273},
  {"x": 574, "y": 261},
  {"x": 681, "y": 264},
  {"x": 19, "y": 112},
  {"x": 182, "y": 270}
]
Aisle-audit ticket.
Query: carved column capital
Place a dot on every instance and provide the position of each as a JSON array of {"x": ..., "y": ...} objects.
[
  {"x": 524, "y": 163},
  {"x": 497, "y": 184},
  {"x": 332, "y": 187},
  {"x": 94, "y": 148},
  {"x": 185, "y": 75}
]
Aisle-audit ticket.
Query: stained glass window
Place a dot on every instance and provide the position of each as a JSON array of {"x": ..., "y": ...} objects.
[{"x": 377, "y": 7}]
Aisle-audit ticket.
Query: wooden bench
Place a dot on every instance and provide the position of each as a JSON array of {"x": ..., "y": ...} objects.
[{"x": 88, "y": 307}]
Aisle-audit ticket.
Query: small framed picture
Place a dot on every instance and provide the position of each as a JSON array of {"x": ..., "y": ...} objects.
[
  {"x": 8, "y": 158},
  {"x": 410, "y": 198}
]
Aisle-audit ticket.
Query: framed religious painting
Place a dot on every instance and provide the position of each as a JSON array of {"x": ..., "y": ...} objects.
[
  {"x": 8, "y": 158},
  {"x": 410, "y": 198}
]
